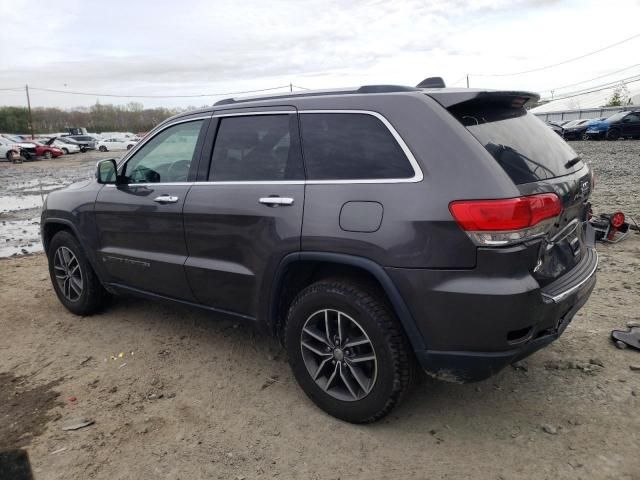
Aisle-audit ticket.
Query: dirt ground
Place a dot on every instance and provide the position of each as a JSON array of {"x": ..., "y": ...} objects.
[{"x": 177, "y": 394}]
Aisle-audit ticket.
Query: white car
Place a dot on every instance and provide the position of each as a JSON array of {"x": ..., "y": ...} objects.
[
  {"x": 110, "y": 144},
  {"x": 66, "y": 146},
  {"x": 9, "y": 150}
]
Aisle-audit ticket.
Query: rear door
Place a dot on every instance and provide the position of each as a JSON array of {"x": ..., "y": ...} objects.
[
  {"x": 245, "y": 214},
  {"x": 537, "y": 161},
  {"x": 139, "y": 222}
]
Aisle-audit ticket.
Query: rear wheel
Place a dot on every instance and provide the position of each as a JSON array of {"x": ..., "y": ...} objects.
[
  {"x": 74, "y": 281},
  {"x": 102, "y": 148},
  {"x": 129, "y": 146},
  {"x": 585, "y": 136},
  {"x": 65, "y": 151},
  {"x": 83, "y": 149},
  {"x": 348, "y": 351},
  {"x": 613, "y": 134}
]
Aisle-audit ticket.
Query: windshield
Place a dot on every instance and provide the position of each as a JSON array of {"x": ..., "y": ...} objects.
[
  {"x": 617, "y": 116},
  {"x": 521, "y": 143}
]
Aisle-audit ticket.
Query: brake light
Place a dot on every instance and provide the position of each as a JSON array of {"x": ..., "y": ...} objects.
[
  {"x": 617, "y": 220},
  {"x": 506, "y": 221}
]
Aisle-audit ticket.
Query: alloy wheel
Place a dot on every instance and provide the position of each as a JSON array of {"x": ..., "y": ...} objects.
[
  {"x": 338, "y": 355},
  {"x": 68, "y": 273}
]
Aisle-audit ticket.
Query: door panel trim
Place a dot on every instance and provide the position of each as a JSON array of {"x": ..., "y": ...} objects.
[{"x": 158, "y": 296}]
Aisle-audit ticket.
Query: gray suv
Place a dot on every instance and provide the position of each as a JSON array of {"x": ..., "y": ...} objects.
[{"x": 371, "y": 230}]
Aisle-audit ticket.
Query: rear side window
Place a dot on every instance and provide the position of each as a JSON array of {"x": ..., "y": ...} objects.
[
  {"x": 257, "y": 148},
  {"x": 351, "y": 146},
  {"x": 522, "y": 144}
]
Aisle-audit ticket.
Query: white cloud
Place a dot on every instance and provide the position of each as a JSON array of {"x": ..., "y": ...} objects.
[{"x": 198, "y": 46}]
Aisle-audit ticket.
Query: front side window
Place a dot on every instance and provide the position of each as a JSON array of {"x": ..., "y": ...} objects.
[
  {"x": 166, "y": 157},
  {"x": 351, "y": 146},
  {"x": 256, "y": 148}
]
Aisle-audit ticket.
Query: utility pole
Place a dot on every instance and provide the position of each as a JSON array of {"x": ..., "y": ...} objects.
[
  {"x": 467, "y": 80},
  {"x": 26, "y": 87},
  {"x": 291, "y": 87}
]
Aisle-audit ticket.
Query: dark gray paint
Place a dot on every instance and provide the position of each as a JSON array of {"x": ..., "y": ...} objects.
[{"x": 220, "y": 248}]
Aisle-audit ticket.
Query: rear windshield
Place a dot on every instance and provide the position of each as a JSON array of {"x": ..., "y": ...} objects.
[{"x": 526, "y": 148}]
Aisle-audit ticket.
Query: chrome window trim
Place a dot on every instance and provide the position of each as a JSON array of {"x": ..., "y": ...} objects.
[
  {"x": 417, "y": 171},
  {"x": 417, "y": 177},
  {"x": 153, "y": 133}
]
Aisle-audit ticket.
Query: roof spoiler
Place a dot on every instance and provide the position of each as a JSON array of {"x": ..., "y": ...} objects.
[{"x": 514, "y": 99}]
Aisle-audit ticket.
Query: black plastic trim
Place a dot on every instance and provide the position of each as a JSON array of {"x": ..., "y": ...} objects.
[
  {"x": 157, "y": 296},
  {"x": 397, "y": 302}
]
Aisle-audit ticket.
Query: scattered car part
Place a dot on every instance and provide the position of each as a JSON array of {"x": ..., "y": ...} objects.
[
  {"x": 630, "y": 338},
  {"x": 611, "y": 227}
]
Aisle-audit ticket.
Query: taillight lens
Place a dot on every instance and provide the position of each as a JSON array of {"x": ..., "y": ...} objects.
[
  {"x": 617, "y": 220},
  {"x": 506, "y": 221}
]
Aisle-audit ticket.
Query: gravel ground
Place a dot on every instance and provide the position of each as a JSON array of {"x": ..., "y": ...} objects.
[{"x": 176, "y": 394}]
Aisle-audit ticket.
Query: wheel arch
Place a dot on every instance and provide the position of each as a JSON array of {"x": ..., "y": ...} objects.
[{"x": 298, "y": 270}]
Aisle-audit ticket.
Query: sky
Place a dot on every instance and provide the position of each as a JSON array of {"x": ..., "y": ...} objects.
[{"x": 193, "y": 47}]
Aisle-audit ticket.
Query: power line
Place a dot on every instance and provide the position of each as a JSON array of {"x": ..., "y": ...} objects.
[
  {"x": 302, "y": 88},
  {"x": 599, "y": 88},
  {"x": 559, "y": 63},
  {"x": 589, "y": 80},
  {"x": 69, "y": 92},
  {"x": 14, "y": 89}
]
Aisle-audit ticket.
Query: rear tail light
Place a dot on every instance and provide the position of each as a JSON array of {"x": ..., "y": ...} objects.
[
  {"x": 617, "y": 220},
  {"x": 506, "y": 221}
]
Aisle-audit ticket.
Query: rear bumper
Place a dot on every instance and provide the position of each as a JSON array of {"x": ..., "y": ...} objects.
[{"x": 474, "y": 325}]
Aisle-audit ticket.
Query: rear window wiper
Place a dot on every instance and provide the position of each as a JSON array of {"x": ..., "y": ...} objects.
[{"x": 571, "y": 163}]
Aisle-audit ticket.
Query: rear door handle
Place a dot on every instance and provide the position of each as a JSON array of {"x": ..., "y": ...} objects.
[
  {"x": 166, "y": 199},
  {"x": 276, "y": 201}
]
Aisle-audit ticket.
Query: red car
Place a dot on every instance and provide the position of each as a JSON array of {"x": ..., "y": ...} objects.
[{"x": 46, "y": 151}]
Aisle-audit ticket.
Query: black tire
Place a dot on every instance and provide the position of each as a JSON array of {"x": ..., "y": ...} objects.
[
  {"x": 585, "y": 136},
  {"x": 613, "y": 134},
  {"x": 65, "y": 151},
  {"x": 395, "y": 365},
  {"x": 48, "y": 155},
  {"x": 130, "y": 146},
  {"x": 83, "y": 149},
  {"x": 102, "y": 148},
  {"x": 12, "y": 156},
  {"x": 93, "y": 296}
]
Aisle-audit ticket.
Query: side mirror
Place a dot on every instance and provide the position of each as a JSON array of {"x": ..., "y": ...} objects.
[{"x": 107, "y": 171}]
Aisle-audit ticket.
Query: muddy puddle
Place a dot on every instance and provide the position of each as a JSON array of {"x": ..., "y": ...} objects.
[{"x": 23, "y": 190}]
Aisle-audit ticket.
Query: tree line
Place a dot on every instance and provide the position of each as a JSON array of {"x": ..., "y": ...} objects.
[{"x": 98, "y": 118}]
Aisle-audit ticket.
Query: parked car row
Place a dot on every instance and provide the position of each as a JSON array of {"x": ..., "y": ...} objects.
[
  {"x": 14, "y": 147},
  {"x": 619, "y": 125}
]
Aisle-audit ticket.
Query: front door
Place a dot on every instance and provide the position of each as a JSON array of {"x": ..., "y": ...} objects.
[
  {"x": 247, "y": 215},
  {"x": 139, "y": 221}
]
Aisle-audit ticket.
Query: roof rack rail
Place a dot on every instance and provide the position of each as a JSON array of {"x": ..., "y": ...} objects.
[{"x": 316, "y": 93}]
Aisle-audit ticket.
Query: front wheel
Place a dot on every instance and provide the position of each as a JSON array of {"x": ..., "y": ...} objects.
[
  {"x": 102, "y": 148},
  {"x": 12, "y": 156},
  {"x": 83, "y": 149},
  {"x": 74, "y": 281},
  {"x": 585, "y": 136},
  {"x": 48, "y": 155},
  {"x": 348, "y": 351},
  {"x": 129, "y": 147},
  {"x": 65, "y": 151}
]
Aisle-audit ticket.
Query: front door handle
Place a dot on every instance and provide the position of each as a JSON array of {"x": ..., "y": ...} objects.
[
  {"x": 276, "y": 201},
  {"x": 166, "y": 199}
]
